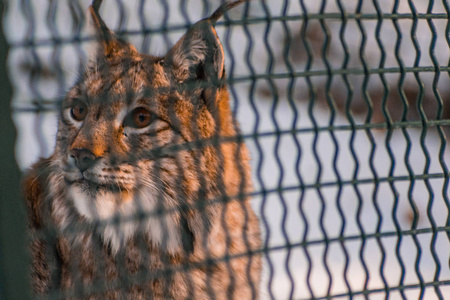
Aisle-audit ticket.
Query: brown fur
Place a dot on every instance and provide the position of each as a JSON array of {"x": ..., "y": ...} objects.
[{"x": 203, "y": 245}]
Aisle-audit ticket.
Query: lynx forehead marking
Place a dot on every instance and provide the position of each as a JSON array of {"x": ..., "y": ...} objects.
[
  {"x": 137, "y": 75},
  {"x": 93, "y": 84},
  {"x": 160, "y": 78}
]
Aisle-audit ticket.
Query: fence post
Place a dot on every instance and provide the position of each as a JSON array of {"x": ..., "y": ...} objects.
[{"x": 14, "y": 283}]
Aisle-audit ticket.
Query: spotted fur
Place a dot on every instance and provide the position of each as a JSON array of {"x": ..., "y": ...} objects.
[{"x": 160, "y": 211}]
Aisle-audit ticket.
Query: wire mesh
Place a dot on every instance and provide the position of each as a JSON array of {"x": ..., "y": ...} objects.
[{"x": 343, "y": 106}]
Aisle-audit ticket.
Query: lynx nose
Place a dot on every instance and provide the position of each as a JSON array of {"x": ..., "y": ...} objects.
[{"x": 84, "y": 158}]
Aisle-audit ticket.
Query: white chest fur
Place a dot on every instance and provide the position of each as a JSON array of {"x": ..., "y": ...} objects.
[{"x": 119, "y": 216}]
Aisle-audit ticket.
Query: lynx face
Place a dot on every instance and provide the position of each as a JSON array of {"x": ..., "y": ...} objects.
[
  {"x": 108, "y": 125},
  {"x": 116, "y": 124}
]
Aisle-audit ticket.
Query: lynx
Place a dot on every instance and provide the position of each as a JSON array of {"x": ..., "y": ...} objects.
[{"x": 144, "y": 196}]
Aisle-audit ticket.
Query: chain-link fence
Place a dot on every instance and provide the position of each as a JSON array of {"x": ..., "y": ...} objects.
[{"x": 343, "y": 106}]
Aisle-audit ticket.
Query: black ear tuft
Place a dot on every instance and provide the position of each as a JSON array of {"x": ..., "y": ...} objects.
[
  {"x": 96, "y": 4},
  {"x": 224, "y": 8},
  {"x": 100, "y": 28},
  {"x": 198, "y": 55},
  {"x": 108, "y": 45}
]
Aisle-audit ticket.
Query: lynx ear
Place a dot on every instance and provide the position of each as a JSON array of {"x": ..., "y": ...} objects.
[
  {"x": 107, "y": 45},
  {"x": 198, "y": 55}
]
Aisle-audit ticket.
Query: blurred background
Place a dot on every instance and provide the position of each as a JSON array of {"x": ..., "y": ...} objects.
[{"x": 344, "y": 106}]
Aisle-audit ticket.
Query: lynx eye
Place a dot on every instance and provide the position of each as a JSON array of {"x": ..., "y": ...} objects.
[
  {"x": 140, "y": 118},
  {"x": 78, "y": 111}
]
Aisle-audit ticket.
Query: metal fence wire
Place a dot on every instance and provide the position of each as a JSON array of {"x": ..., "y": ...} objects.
[{"x": 343, "y": 106}]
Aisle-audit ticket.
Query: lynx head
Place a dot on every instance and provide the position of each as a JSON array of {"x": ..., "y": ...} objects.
[{"x": 121, "y": 124}]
